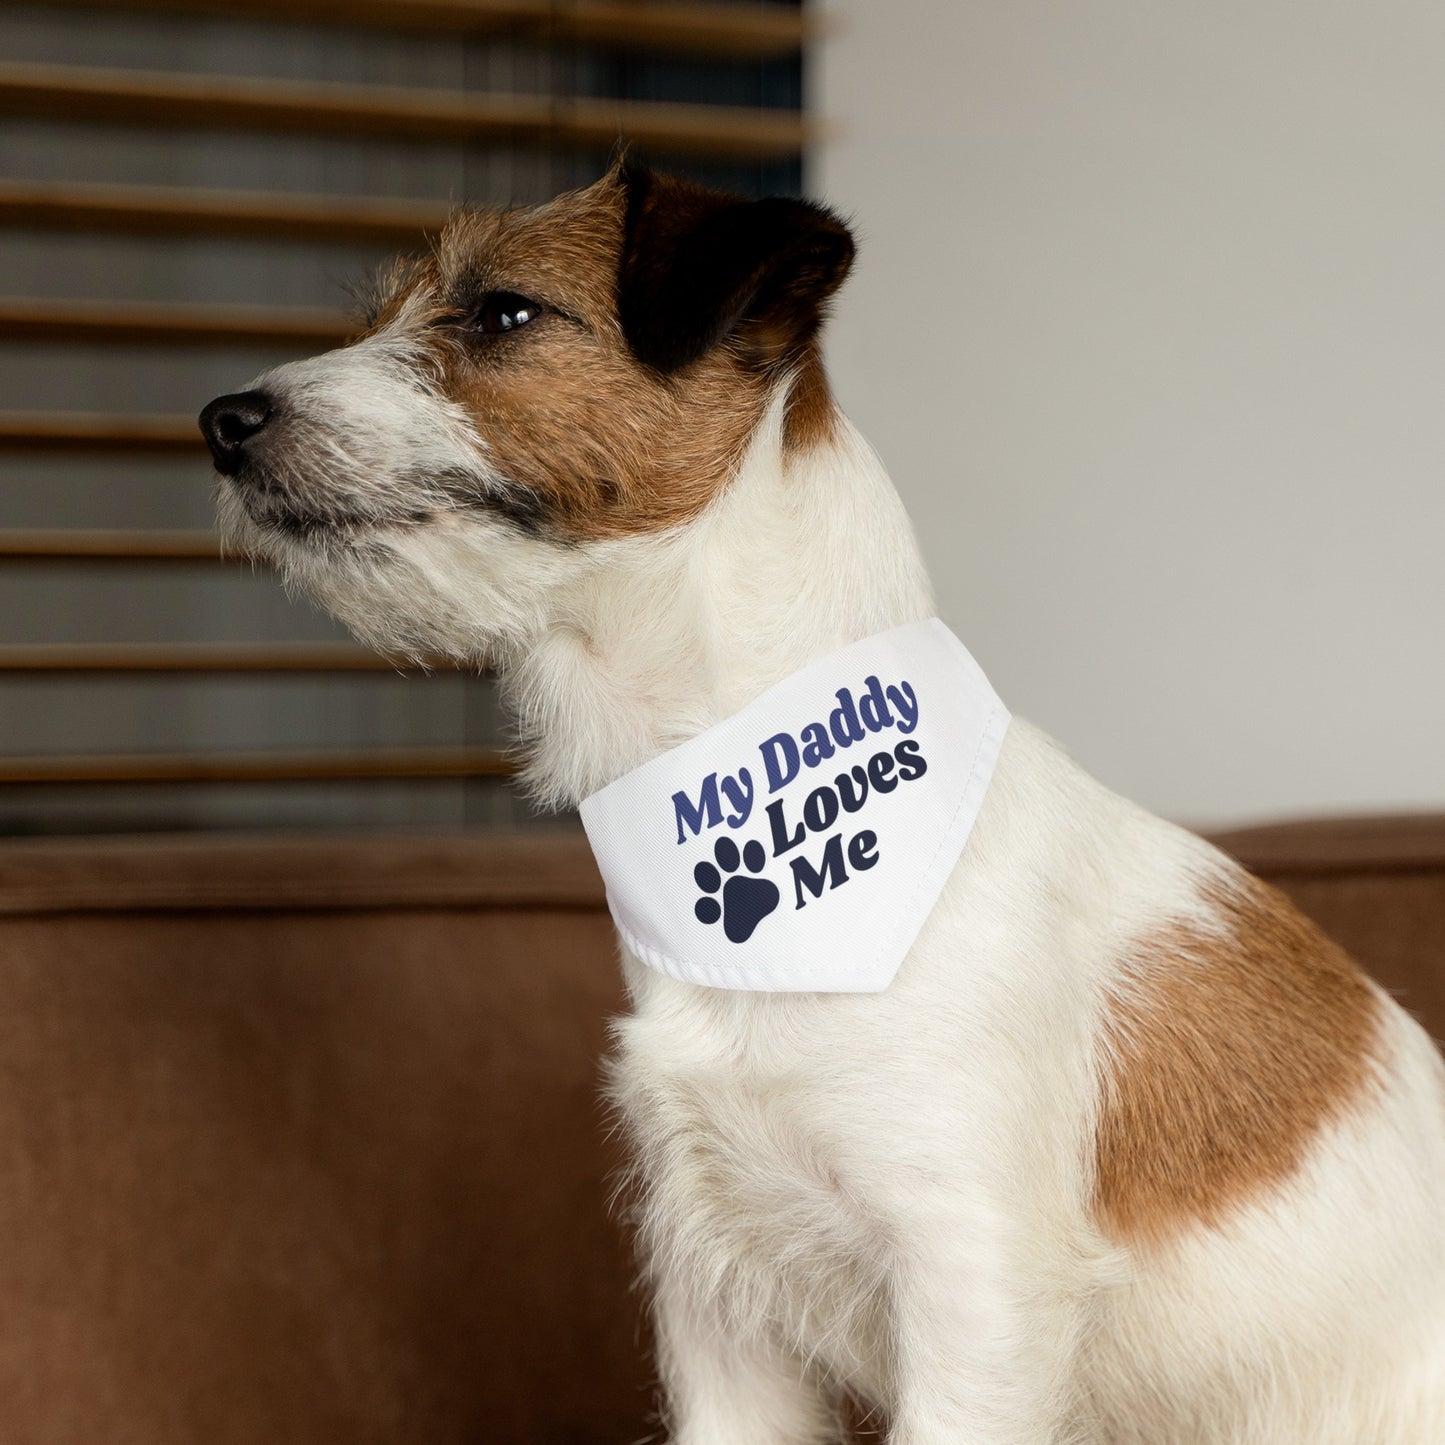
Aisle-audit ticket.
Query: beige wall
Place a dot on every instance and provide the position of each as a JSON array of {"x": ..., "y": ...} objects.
[{"x": 1149, "y": 324}]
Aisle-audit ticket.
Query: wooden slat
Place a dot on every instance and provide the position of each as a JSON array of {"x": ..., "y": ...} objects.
[
  {"x": 190, "y": 657},
  {"x": 753, "y": 31},
  {"x": 259, "y": 767},
  {"x": 173, "y": 211},
  {"x": 77, "y": 431},
  {"x": 72, "y": 544},
  {"x": 715, "y": 29},
  {"x": 213, "y": 102},
  {"x": 169, "y": 324}
]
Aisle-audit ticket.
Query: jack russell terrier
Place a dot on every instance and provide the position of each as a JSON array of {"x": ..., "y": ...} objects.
[{"x": 957, "y": 1086}]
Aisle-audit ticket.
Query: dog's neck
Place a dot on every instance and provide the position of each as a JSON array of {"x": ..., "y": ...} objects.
[{"x": 803, "y": 553}]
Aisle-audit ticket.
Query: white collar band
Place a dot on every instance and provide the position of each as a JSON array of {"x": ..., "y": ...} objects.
[{"x": 800, "y": 845}]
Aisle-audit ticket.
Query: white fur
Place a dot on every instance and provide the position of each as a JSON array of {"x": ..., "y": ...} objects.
[{"x": 889, "y": 1194}]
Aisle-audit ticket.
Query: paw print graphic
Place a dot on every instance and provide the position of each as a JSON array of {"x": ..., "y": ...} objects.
[{"x": 745, "y": 901}]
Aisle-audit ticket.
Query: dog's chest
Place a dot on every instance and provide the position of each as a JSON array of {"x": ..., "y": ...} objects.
[{"x": 743, "y": 1184}]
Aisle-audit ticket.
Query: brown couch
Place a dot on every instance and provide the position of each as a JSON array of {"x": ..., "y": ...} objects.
[{"x": 300, "y": 1140}]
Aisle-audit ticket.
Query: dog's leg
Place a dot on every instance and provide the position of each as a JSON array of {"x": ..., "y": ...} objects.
[
  {"x": 723, "y": 1388},
  {"x": 983, "y": 1351}
]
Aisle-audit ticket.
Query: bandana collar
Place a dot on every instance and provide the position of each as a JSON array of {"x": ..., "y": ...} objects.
[{"x": 800, "y": 845}]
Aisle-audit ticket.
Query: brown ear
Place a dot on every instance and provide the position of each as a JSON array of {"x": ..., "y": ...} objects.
[{"x": 699, "y": 266}]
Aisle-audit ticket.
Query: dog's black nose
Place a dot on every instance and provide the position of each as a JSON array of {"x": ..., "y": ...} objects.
[{"x": 229, "y": 422}]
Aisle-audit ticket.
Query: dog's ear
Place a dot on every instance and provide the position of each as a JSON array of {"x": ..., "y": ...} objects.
[{"x": 698, "y": 266}]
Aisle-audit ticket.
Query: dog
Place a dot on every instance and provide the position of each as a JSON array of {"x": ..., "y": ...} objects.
[{"x": 1127, "y": 1153}]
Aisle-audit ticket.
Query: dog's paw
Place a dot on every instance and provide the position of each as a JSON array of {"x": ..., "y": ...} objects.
[{"x": 745, "y": 901}]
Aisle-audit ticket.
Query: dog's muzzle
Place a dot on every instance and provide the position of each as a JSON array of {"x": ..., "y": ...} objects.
[{"x": 230, "y": 422}]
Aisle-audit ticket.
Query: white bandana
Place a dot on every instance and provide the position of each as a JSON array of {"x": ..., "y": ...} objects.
[{"x": 800, "y": 845}]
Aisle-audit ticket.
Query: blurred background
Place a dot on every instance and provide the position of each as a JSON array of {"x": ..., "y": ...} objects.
[
  {"x": 187, "y": 191},
  {"x": 1147, "y": 323}
]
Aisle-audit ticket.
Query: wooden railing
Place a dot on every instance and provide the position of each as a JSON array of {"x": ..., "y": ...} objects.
[
  {"x": 100, "y": 432},
  {"x": 83, "y": 431},
  {"x": 160, "y": 99},
  {"x": 74, "y": 544},
  {"x": 189, "y": 657},
  {"x": 714, "y": 29},
  {"x": 164, "y": 324},
  {"x": 331, "y": 765},
  {"x": 172, "y": 211}
]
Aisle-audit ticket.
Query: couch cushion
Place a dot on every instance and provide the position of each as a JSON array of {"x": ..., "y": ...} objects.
[{"x": 300, "y": 1141}]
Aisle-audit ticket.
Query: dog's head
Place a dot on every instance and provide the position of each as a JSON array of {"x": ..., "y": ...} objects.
[{"x": 546, "y": 384}]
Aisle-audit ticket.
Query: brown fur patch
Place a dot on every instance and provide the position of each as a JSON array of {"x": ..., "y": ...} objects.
[
  {"x": 1225, "y": 1055},
  {"x": 605, "y": 445},
  {"x": 594, "y": 442},
  {"x": 812, "y": 415}
]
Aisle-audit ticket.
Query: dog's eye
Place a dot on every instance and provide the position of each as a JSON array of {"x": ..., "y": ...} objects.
[{"x": 504, "y": 311}]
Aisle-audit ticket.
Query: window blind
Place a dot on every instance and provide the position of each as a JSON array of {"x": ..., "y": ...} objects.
[{"x": 186, "y": 189}]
